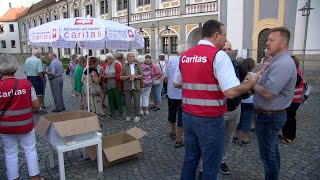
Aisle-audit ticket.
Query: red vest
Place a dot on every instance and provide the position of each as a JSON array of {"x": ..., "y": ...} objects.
[
  {"x": 298, "y": 89},
  {"x": 201, "y": 93},
  {"x": 18, "y": 118}
]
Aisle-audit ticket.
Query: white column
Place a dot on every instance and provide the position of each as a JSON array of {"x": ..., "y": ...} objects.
[{"x": 235, "y": 23}]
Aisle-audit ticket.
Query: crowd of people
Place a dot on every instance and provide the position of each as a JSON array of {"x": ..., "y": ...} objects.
[{"x": 213, "y": 99}]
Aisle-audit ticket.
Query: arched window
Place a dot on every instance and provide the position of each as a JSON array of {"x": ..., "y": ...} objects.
[{"x": 262, "y": 39}]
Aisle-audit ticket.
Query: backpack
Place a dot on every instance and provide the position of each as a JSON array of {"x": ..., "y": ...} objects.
[
  {"x": 68, "y": 71},
  {"x": 241, "y": 73}
]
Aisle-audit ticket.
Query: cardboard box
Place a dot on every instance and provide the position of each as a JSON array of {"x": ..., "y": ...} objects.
[
  {"x": 119, "y": 147},
  {"x": 69, "y": 127}
]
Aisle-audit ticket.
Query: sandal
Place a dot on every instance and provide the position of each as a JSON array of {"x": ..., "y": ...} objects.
[
  {"x": 287, "y": 141},
  {"x": 179, "y": 144}
]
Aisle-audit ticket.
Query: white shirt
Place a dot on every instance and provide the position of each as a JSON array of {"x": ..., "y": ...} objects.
[
  {"x": 132, "y": 72},
  {"x": 223, "y": 70}
]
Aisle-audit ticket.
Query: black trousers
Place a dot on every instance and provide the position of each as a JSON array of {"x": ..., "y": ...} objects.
[
  {"x": 289, "y": 129},
  {"x": 174, "y": 109}
]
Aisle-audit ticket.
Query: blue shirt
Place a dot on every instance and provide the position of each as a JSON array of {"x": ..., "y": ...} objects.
[
  {"x": 172, "y": 65},
  {"x": 33, "y": 66},
  {"x": 56, "y": 67}
]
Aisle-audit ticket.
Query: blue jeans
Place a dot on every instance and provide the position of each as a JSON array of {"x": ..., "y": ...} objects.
[
  {"x": 246, "y": 117},
  {"x": 156, "y": 93},
  {"x": 267, "y": 129},
  {"x": 204, "y": 137}
]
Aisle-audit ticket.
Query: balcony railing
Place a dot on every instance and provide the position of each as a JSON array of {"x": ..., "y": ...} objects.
[
  {"x": 140, "y": 16},
  {"x": 120, "y": 19},
  {"x": 167, "y": 12},
  {"x": 202, "y": 8}
]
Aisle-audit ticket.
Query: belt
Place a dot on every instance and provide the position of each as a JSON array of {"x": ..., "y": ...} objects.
[
  {"x": 261, "y": 111},
  {"x": 54, "y": 77}
]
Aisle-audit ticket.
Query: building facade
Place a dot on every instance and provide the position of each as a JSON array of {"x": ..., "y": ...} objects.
[
  {"x": 9, "y": 31},
  {"x": 165, "y": 24}
]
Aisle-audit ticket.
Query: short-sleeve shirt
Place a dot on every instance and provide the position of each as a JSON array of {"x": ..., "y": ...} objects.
[
  {"x": 56, "y": 67},
  {"x": 280, "y": 80},
  {"x": 33, "y": 66},
  {"x": 223, "y": 70},
  {"x": 172, "y": 65}
]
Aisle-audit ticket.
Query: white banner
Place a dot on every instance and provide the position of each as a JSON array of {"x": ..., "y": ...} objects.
[
  {"x": 43, "y": 34},
  {"x": 118, "y": 45},
  {"x": 82, "y": 33},
  {"x": 92, "y": 44},
  {"x": 64, "y": 44},
  {"x": 120, "y": 34}
]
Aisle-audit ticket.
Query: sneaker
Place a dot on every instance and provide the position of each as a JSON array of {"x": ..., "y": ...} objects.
[
  {"x": 136, "y": 119},
  {"x": 152, "y": 107},
  {"x": 234, "y": 139},
  {"x": 127, "y": 119},
  {"x": 141, "y": 113},
  {"x": 224, "y": 169},
  {"x": 156, "y": 109},
  {"x": 146, "y": 112},
  {"x": 245, "y": 143},
  {"x": 120, "y": 116}
]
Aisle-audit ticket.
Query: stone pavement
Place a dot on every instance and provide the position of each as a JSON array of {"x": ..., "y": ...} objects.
[{"x": 160, "y": 160}]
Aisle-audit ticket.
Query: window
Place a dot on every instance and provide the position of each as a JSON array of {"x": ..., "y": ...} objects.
[
  {"x": 76, "y": 13},
  {"x": 47, "y": 19},
  {"x": 13, "y": 44},
  {"x": 125, "y": 4},
  {"x": 165, "y": 44},
  {"x": 89, "y": 10},
  {"x": 66, "y": 51},
  {"x": 122, "y": 4},
  {"x": 11, "y": 27},
  {"x": 102, "y": 7},
  {"x": 119, "y": 7},
  {"x": 146, "y": 45},
  {"x": 3, "y": 44},
  {"x": 1, "y": 28},
  {"x": 143, "y": 2},
  {"x": 55, "y": 17},
  {"x": 173, "y": 44},
  {"x": 107, "y": 6},
  {"x": 41, "y": 22},
  {"x": 90, "y": 53},
  {"x": 104, "y": 51},
  {"x": 49, "y": 49},
  {"x": 34, "y": 23},
  {"x": 77, "y": 50},
  {"x": 65, "y": 15}
]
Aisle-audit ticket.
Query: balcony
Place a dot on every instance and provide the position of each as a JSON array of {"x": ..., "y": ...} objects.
[
  {"x": 201, "y": 8},
  {"x": 120, "y": 19},
  {"x": 167, "y": 12},
  {"x": 140, "y": 16}
]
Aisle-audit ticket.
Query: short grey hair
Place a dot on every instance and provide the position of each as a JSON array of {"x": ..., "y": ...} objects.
[
  {"x": 140, "y": 59},
  {"x": 8, "y": 64},
  {"x": 35, "y": 52},
  {"x": 109, "y": 55},
  {"x": 82, "y": 59},
  {"x": 53, "y": 54},
  {"x": 181, "y": 49}
]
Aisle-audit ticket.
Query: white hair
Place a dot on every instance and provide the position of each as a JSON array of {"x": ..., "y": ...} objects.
[
  {"x": 140, "y": 59},
  {"x": 8, "y": 64},
  {"x": 181, "y": 49},
  {"x": 109, "y": 55},
  {"x": 35, "y": 52}
]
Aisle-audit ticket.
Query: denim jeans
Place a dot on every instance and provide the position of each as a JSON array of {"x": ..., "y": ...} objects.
[
  {"x": 156, "y": 94},
  {"x": 246, "y": 117},
  {"x": 204, "y": 138},
  {"x": 267, "y": 129}
]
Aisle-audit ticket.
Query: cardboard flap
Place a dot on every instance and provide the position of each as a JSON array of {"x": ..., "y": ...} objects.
[
  {"x": 122, "y": 151},
  {"x": 136, "y": 132},
  {"x": 42, "y": 126},
  {"x": 77, "y": 126}
]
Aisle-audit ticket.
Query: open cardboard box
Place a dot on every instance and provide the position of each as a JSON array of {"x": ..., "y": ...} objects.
[
  {"x": 69, "y": 127},
  {"x": 118, "y": 147}
]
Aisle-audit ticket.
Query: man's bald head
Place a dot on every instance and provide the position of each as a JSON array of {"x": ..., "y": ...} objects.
[{"x": 227, "y": 48}]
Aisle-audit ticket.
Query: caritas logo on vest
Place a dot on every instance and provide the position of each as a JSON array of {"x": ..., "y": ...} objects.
[
  {"x": 17, "y": 93},
  {"x": 194, "y": 59}
]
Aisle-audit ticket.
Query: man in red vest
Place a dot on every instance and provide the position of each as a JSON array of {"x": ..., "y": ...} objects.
[{"x": 206, "y": 76}]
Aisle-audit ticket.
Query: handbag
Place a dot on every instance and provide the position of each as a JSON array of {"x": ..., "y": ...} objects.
[
  {"x": 156, "y": 82},
  {"x": 8, "y": 102}
]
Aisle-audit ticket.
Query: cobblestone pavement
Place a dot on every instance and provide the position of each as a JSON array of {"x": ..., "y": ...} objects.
[{"x": 160, "y": 160}]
